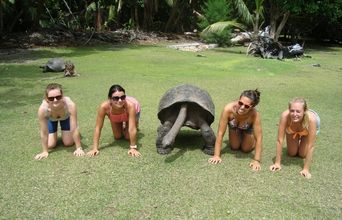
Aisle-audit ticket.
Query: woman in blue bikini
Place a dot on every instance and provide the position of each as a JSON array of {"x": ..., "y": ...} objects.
[
  {"x": 245, "y": 132},
  {"x": 58, "y": 108},
  {"x": 300, "y": 125}
]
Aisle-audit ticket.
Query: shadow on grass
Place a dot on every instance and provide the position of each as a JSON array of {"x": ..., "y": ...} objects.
[
  {"x": 187, "y": 140},
  {"x": 27, "y": 55},
  {"x": 17, "y": 83},
  {"x": 240, "y": 50},
  {"x": 123, "y": 143},
  {"x": 60, "y": 147},
  {"x": 321, "y": 48},
  {"x": 288, "y": 161},
  {"x": 237, "y": 153}
]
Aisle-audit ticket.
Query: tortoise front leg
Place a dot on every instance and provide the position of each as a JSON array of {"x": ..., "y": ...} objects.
[
  {"x": 162, "y": 131},
  {"x": 209, "y": 138}
]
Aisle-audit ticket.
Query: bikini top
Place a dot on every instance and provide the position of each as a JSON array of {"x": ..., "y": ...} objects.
[
  {"x": 301, "y": 133},
  {"x": 123, "y": 116},
  {"x": 117, "y": 117},
  {"x": 242, "y": 126},
  {"x": 65, "y": 115}
]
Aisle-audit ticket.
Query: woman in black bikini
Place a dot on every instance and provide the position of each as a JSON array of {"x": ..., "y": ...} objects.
[{"x": 244, "y": 124}]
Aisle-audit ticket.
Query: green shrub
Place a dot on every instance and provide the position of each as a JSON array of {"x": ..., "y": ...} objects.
[
  {"x": 222, "y": 38},
  {"x": 215, "y": 11}
]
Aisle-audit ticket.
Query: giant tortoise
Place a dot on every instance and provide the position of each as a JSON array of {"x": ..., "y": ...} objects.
[
  {"x": 185, "y": 105},
  {"x": 59, "y": 65}
]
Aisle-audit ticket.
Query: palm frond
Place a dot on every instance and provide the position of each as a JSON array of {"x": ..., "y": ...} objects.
[
  {"x": 243, "y": 11},
  {"x": 221, "y": 25}
]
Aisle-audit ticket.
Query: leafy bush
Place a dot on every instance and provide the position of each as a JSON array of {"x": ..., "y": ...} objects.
[
  {"x": 215, "y": 11},
  {"x": 222, "y": 38}
]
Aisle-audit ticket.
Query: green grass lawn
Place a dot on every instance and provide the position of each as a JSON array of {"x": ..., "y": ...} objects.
[{"x": 181, "y": 185}]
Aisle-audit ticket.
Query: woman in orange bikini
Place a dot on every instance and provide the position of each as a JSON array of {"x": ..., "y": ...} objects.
[
  {"x": 245, "y": 132},
  {"x": 300, "y": 125},
  {"x": 123, "y": 112}
]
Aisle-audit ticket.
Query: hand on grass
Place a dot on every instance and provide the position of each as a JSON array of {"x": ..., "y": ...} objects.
[
  {"x": 134, "y": 153},
  {"x": 93, "y": 153},
  {"x": 275, "y": 167},
  {"x": 305, "y": 173},
  {"x": 215, "y": 160},
  {"x": 79, "y": 152},
  {"x": 255, "y": 165},
  {"x": 41, "y": 155}
]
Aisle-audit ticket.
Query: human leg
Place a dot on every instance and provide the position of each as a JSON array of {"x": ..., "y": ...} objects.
[
  {"x": 125, "y": 130},
  {"x": 52, "y": 138},
  {"x": 292, "y": 145},
  {"x": 117, "y": 129},
  {"x": 302, "y": 150},
  {"x": 234, "y": 138},
  {"x": 248, "y": 142},
  {"x": 67, "y": 132}
]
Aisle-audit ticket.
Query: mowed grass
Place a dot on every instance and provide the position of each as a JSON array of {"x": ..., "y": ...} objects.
[{"x": 181, "y": 185}]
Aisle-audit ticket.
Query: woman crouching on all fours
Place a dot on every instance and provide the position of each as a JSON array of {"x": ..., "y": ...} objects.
[
  {"x": 245, "y": 132},
  {"x": 300, "y": 125},
  {"x": 58, "y": 108},
  {"x": 123, "y": 113}
]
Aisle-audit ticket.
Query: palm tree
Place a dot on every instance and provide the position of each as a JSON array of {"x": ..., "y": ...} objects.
[{"x": 246, "y": 16}]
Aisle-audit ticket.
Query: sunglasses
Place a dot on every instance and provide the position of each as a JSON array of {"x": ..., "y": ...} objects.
[
  {"x": 242, "y": 104},
  {"x": 52, "y": 98},
  {"x": 117, "y": 98}
]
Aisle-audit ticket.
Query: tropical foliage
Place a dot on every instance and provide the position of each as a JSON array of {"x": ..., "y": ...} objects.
[
  {"x": 293, "y": 18},
  {"x": 215, "y": 11}
]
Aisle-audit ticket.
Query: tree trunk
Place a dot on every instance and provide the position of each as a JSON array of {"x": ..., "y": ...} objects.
[
  {"x": 136, "y": 16},
  {"x": 281, "y": 25},
  {"x": 19, "y": 14},
  {"x": 98, "y": 18},
  {"x": 1, "y": 19},
  {"x": 148, "y": 14},
  {"x": 174, "y": 17},
  {"x": 256, "y": 24}
]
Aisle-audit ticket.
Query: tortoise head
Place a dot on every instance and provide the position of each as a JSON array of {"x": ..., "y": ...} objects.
[{"x": 69, "y": 69}]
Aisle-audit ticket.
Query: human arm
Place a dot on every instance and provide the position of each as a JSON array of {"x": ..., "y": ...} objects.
[
  {"x": 309, "y": 147},
  {"x": 74, "y": 128},
  {"x": 44, "y": 134},
  {"x": 220, "y": 133},
  {"x": 257, "y": 132},
  {"x": 132, "y": 131},
  {"x": 101, "y": 113},
  {"x": 280, "y": 138}
]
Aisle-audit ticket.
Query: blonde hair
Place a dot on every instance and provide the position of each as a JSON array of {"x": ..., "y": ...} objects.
[{"x": 305, "y": 122}]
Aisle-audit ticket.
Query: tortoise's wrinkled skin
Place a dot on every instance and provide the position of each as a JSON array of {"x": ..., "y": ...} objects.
[{"x": 185, "y": 105}]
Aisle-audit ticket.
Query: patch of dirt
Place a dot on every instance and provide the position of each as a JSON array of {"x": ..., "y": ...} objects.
[{"x": 55, "y": 38}]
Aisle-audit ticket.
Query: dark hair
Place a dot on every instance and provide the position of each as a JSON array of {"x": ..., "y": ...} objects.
[
  {"x": 53, "y": 86},
  {"x": 254, "y": 95},
  {"x": 115, "y": 88}
]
